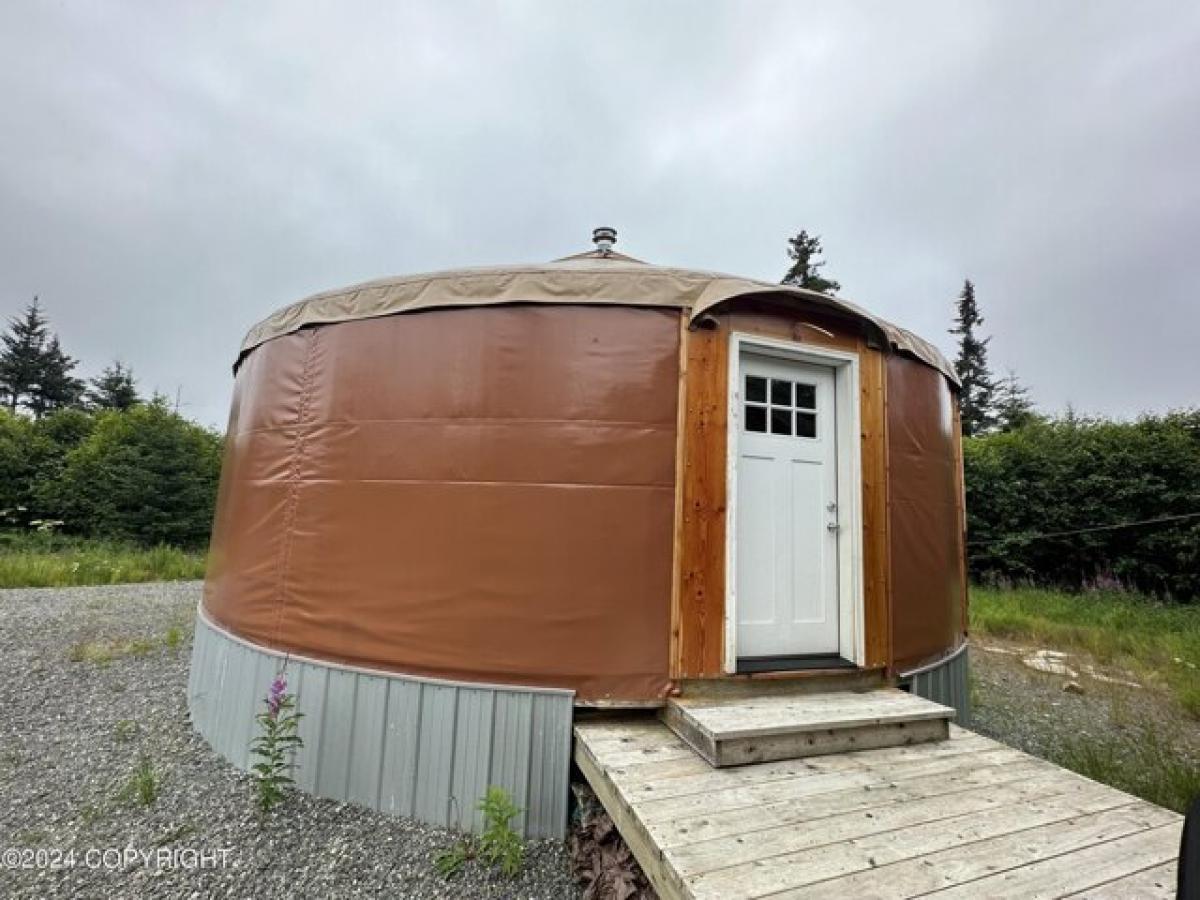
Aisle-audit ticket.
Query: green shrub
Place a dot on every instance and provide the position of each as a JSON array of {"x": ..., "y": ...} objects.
[
  {"x": 1071, "y": 474},
  {"x": 144, "y": 475}
]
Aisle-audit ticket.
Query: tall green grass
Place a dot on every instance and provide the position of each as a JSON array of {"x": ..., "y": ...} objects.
[
  {"x": 1158, "y": 642},
  {"x": 53, "y": 561},
  {"x": 1142, "y": 761}
]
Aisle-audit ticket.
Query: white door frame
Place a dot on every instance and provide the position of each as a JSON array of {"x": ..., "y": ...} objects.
[{"x": 851, "y": 614}]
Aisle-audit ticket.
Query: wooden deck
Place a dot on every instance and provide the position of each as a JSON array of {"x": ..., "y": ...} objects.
[{"x": 968, "y": 817}]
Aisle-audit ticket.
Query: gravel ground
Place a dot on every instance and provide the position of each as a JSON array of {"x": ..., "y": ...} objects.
[
  {"x": 72, "y": 732},
  {"x": 1031, "y": 710}
]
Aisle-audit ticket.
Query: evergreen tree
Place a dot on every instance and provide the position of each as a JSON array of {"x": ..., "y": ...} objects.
[
  {"x": 976, "y": 399},
  {"x": 113, "y": 389},
  {"x": 34, "y": 370},
  {"x": 1013, "y": 406},
  {"x": 804, "y": 251},
  {"x": 55, "y": 387},
  {"x": 21, "y": 351}
]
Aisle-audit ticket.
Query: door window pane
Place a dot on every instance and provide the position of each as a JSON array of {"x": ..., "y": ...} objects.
[
  {"x": 781, "y": 392},
  {"x": 806, "y": 424},
  {"x": 756, "y": 389},
  {"x": 781, "y": 421},
  {"x": 756, "y": 418},
  {"x": 806, "y": 396}
]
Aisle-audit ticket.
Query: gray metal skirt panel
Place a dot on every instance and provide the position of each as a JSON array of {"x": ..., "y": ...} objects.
[
  {"x": 404, "y": 745},
  {"x": 944, "y": 682}
]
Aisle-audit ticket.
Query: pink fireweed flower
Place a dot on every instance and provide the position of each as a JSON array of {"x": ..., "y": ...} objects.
[{"x": 275, "y": 697}]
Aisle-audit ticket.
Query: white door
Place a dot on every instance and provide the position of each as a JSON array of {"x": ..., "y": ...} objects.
[{"x": 787, "y": 546}]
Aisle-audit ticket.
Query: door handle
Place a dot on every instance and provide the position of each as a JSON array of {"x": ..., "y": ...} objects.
[{"x": 831, "y": 526}]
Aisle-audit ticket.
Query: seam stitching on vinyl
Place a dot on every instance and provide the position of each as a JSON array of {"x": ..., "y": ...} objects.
[{"x": 294, "y": 479}]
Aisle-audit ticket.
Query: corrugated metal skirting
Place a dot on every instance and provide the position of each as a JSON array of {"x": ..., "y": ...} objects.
[
  {"x": 408, "y": 746},
  {"x": 945, "y": 683}
]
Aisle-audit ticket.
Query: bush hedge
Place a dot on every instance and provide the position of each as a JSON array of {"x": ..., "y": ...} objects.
[
  {"x": 1077, "y": 473},
  {"x": 144, "y": 475}
]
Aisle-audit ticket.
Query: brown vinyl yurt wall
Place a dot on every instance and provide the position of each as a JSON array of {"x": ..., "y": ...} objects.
[
  {"x": 925, "y": 514},
  {"x": 484, "y": 494},
  {"x": 535, "y": 493}
]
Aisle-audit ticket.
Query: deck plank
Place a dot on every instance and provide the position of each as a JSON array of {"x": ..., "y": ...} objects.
[
  {"x": 951, "y": 810},
  {"x": 964, "y": 817},
  {"x": 766, "y": 877},
  {"x": 1156, "y": 883},
  {"x": 640, "y": 771},
  {"x": 1088, "y": 867},
  {"x": 818, "y": 810}
]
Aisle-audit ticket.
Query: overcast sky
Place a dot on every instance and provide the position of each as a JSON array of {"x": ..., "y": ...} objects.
[{"x": 172, "y": 172}]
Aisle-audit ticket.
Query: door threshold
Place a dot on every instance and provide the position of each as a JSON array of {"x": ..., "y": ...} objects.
[{"x": 796, "y": 663}]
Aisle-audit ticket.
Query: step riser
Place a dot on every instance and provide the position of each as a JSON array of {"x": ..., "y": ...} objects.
[{"x": 787, "y": 730}]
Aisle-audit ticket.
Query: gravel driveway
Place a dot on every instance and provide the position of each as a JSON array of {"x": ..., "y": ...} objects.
[{"x": 93, "y": 681}]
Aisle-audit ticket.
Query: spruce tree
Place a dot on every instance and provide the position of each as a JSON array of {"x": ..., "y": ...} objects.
[
  {"x": 34, "y": 371},
  {"x": 1013, "y": 405},
  {"x": 113, "y": 389},
  {"x": 21, "y": 351},
  {"x": 976, "y": 399},
  {"x": 804, "y": 250},
  {"x": 55, "y": 387}
]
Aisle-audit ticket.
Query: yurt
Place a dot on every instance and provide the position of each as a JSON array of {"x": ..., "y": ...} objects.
[{"x": 459, "y": 508}]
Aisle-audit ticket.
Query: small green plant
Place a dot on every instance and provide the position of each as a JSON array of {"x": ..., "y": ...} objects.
[
  {"x": 277, "y": 744},
  {"x": 125, "y": 730},
  {"x": 174, "y": 637},
  {"x": 499, "y": 844},
  {"x": 450, "y": 862},
  {"x": 143, "y": 785}
]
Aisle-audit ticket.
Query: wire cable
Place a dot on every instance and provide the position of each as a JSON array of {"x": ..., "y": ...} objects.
[{"x": 1053, "y": 534}]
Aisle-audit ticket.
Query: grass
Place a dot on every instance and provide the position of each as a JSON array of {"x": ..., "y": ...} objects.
[
  {"x": 103, "y": 652},
  {"x": 1143, "y": 762},
  {"x": 142, "y": 786},
  {"x": 1159, "y": 643},
  {"x": 35, "y": 560}
]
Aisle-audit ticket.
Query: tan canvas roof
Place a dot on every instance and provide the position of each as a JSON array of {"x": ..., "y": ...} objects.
[{"x": 589, "y": 278}]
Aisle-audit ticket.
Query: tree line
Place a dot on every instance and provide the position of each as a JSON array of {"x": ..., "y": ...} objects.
[
  {"x": 94, "y": 458},
  {"x": 1061, "y": 500},
  {"x": 36, "y": 375}
]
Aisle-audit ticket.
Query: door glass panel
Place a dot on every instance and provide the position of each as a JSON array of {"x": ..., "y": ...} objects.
[
  {"x": 781, "y": 421},
  {"x": 806, "y": 424},
  {"x": 756, "y": 418},
  {"x": 781, "y": 392},
  {"x": 756, "y": 389},
  {"x": 806, "y": 396}
]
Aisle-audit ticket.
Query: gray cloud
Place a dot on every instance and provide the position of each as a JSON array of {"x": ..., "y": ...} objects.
[{"x": 170, "y": 173}]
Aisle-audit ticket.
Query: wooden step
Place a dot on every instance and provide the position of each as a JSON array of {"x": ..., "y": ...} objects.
[{"x": 729, "y": 732}]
